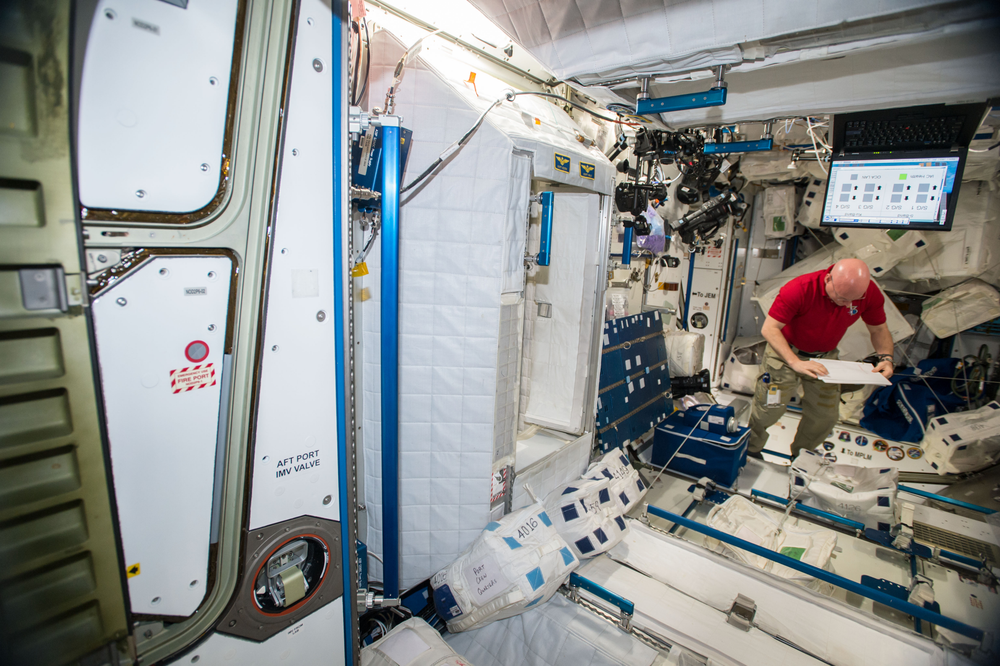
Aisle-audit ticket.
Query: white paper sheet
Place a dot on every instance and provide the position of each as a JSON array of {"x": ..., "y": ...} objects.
[{"x": 848, "y": 372}]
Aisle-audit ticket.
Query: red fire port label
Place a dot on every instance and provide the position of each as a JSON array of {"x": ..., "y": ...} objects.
[{"x": 193, "y": 377}]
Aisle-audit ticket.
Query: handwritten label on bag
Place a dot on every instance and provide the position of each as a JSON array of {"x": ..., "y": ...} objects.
[{"x": 485, "y": 579}]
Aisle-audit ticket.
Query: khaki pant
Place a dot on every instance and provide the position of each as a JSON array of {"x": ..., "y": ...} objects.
[{"x": 820, "y": 403}]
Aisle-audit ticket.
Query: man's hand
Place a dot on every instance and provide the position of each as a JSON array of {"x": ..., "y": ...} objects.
[
  {"x": 885, "y": 368},
  {"x": 812, "y": 369}
]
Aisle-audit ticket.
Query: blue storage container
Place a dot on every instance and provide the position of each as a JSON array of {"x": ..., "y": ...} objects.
[{"x": 704, "y": 453}]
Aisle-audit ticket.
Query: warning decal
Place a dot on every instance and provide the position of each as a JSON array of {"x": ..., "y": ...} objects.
[
  {"x": 193, "y": 377},
  {"x": 133, "y": 570}
]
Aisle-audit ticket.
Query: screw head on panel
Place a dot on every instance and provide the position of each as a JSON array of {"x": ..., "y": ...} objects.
[
  {"x": 274, "y": 348},
  {"x": 295, "y": 151},
  {"x": 321, "y": 315},
  {"x": 204, "y": 166},
  {"x": 309, "y": 21},
  {"x": 213, "y": 81},
  {"x": 101, "y": 258},
  {"x": 317, "y": 64},
  {"x": 232, "y": 623},
  {"x": 211, "y": 327},
  {"x": 140, "y": 193},
  {"x": 110, "y": 14},
  {"x": 327, "y": 500},
  {"x": 121, "y": 301}
]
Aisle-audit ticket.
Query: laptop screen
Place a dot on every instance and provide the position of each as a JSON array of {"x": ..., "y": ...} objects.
[{"x": 893, "y": 191}]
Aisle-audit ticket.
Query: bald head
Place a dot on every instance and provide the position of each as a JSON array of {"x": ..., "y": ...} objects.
[{"x": 847, "y": 281}]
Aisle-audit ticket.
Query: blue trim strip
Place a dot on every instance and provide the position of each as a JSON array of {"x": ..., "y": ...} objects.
[
  {"x": 732, "y": 281},
  {"x": 390, "y": 361},
  {"x": 627, "y": 246},
  {"x": 776, "y": 453},
  {"x": 826, "y": 515},
  {"x": 713, "y": 97},
  {"x": 623, "y": 604},
  {"x": 341, "y": 219},
  {"x": 738, "y": 147},
  {"x": 822, "y": 574},
  {"x": 545, "y": 243},
  {"x": 687, "y": 292},
  {"x": 946, "y": 500}
]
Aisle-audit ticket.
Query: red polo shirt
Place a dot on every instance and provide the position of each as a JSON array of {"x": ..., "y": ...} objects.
[{"x": 814, "y": 323}]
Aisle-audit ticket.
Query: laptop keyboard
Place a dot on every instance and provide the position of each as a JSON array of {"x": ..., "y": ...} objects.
[{"x": 902, "y": 134}]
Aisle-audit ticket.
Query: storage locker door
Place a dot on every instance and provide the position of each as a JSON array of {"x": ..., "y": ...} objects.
[{"x": 562, "y": 317}]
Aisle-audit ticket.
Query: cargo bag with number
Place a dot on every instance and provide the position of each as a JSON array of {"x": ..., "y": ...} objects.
[
  {"x": 623, "y": 479},
  {"x": 586, "y": 516},
  {"x": 964, "y": 442},
  {"x": 864, "y": 494},
  {"x": 516, "y": 563}
]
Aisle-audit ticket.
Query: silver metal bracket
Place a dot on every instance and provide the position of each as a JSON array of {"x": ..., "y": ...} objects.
[
  {"x": 357, "y": 120},
  {"x": 742, "y": 613},
  {"x": 643, "y": 88}
]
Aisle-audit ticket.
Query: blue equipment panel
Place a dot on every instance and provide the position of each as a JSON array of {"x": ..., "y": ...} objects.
[{"x": 635, "y": 379}]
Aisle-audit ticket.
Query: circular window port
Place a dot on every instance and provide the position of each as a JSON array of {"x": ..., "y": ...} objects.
[{"x": 196, "y": 351}]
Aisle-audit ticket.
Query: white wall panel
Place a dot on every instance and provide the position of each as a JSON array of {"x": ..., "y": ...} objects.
[
  {"x": 160, "y": 337},
  {"x": 153, "y": 103},
  {"x": 295, "y": 451}
]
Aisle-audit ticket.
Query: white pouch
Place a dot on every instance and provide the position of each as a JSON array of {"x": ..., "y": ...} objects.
[
  {"x": 743, "y": 365},
  {"x": 810, "y": 212},
  {"x": 779, "y": 211},
  {"x": 864, "y": 494},
  {"x": 411, "y": 643},
  {"x": 514, "y": 564},
  {"x": 961, "y": 307},
  {"x": 685, "y": 353},
  {"x": 743, "y": 519},
  {"x": 964, "y": 441},
  {"x": 586, "y": 516},
  {"x": 623, "y": 479}
]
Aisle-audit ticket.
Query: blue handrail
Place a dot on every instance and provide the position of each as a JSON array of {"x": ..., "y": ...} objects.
[
  {"x": 822, "y": 574},
  {"x": 832, "y": 517},
  {"x": 946, "y": 500},
  {"x": 390, "y": 357},
  {"x": 545, "y": 241},
  {"x": 623, "y": 604}
]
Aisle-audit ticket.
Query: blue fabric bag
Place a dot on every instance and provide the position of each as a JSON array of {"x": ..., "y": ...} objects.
[{"x": 901, "y": 411}]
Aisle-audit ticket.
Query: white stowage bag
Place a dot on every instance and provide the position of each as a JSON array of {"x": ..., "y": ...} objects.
[
  {"x": 961, "y": 307},
  {"x": 810, "y": 212},
  {"x": 779, "y": 211},
  {"x": 745, "y": 520},
  {"x": 685, "y": 353},
  {"x": 515, "y": 564},
  {"x": 623, "y": 479},
  {"x": 964, "y": 441},
  {"x": 412, "y": 643},
  {"x": 880, "y": 249},
  {"x": 743, "y": 365},
  {"x": 586, "y": 516},
  {"x": 864, "y": 494}
]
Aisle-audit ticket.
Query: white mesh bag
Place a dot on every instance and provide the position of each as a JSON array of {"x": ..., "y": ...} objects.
[
  {"x": 745, "y": 520},
  {"x": 514, "y": 564},
  {"x": 623, "y": 479},
  {"x": 864, "y": 494},
  {"x": 586, "y": 516}
]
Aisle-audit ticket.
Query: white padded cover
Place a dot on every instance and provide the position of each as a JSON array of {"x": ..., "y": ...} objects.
[
  {"x": 411, "y": 643},
  {"x": 555, "y": 469},
  {"x": 864, "y": 494},
  {"x": 586, "y": 516},
  {"x": 558, "y": 633},
  {"x": 462, "y": 237},
  {"x": 601, "y": 40}
]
